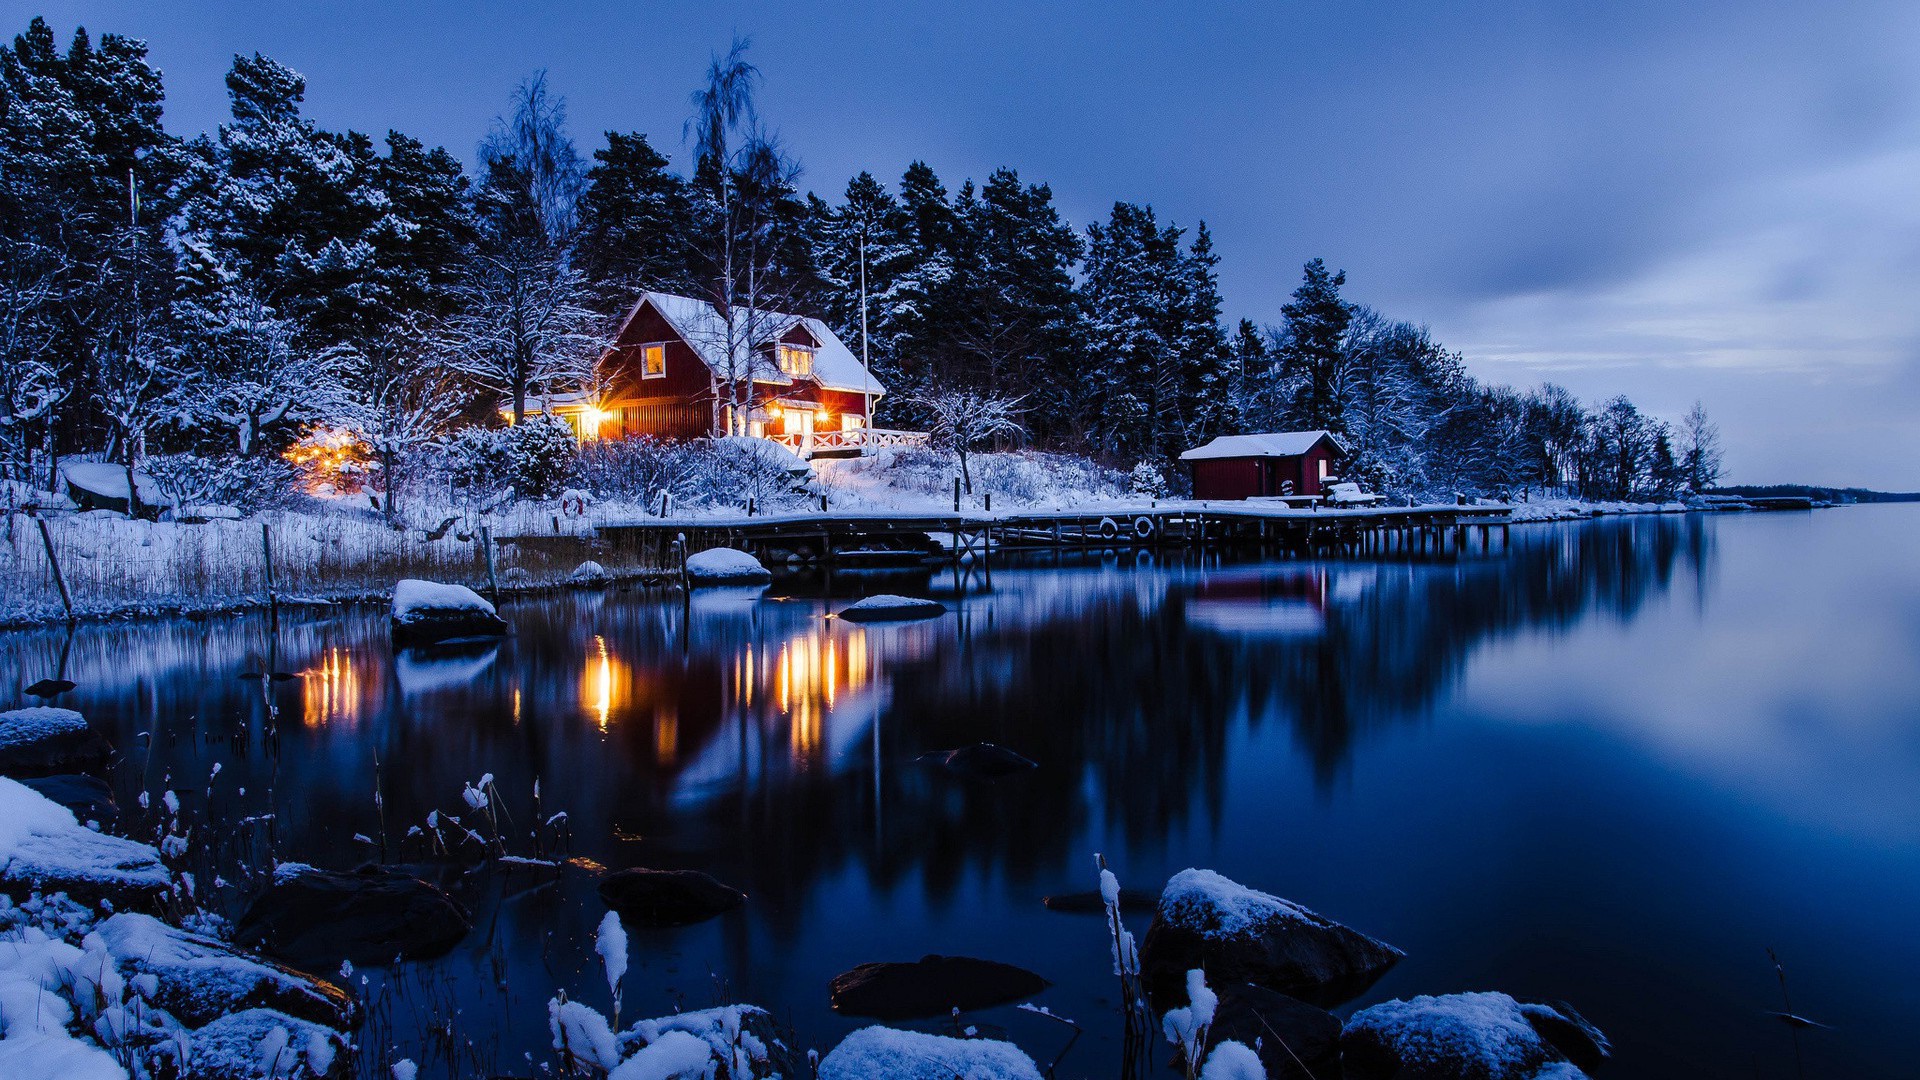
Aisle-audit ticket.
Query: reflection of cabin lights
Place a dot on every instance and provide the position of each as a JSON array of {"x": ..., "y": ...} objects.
[
  {"x": 330, "y": 691},
  {"x": 604, "y": 683},
  {"x": 666, "y": 737}
]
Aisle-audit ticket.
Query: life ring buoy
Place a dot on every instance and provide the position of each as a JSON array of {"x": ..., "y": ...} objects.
[
  {"x": 1143, "y": 527},
  {"x": 1109, "y": 529}
]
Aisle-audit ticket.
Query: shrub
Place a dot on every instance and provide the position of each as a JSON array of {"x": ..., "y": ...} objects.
[
  {"x": 1147, "y": 480},
  {"x": 541, "y": 456},
  {"x": 637, "y": 469},
  {"x": 248, "y": 483}
]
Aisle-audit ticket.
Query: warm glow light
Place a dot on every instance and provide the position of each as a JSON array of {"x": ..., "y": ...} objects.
[
  {"x": 605, "y": 685},
  {"x": 329, "y": 460},
  {"x": 330, "y": 691}
]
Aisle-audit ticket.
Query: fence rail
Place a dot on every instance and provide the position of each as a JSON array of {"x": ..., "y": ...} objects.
[{"x": 860, "y": 439}]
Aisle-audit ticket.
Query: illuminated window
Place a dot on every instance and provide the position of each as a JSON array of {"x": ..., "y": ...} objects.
[
  {"x": 1323, "y": 468},
  {"x": 852, "y": 422},
  {"x": 797, "y": 361},
  {"x": 653, "y": 360}
]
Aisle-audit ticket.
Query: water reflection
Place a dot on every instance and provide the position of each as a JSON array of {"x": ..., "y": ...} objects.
[{"x": 1179, "y": 712}]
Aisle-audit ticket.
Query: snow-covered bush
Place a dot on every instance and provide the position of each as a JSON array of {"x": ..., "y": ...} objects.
[
  {"x": 731, "y": 470},
  {"x": 541, "y": 455},
  {"x": 638, "y": 469},
  {"x": 1147, "y": 480},
  {"x": 476, "y": 458},
  {"x": 250, "y": 483}
]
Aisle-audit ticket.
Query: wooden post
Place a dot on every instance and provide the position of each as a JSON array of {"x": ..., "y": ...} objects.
[
  {"x": 266, "y": 551},
  {"x": 956, "y": 494},
  {"x": 486, "y": 547},
  {"x": 989, "y": 502},
  {"x": 59, "y": 579},
  {"x": 749, "y": 506}
]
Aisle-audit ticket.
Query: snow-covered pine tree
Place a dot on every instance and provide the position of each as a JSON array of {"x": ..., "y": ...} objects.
[
  {"x": 1316, "y": 324},
  {"x": 635, "y": 223}
]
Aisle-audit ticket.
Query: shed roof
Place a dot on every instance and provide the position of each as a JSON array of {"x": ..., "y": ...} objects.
[
  {"x": 700, "y": 325},
  {"x": 1269, "y": 444}
]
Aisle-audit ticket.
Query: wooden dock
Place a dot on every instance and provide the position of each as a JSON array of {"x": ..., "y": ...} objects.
[{"x": 852, "y": 537}]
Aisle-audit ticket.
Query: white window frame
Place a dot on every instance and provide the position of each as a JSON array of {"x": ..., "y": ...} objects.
[
  {"x": 662, "y": 346},
  {"x": 782, "y": 349}
]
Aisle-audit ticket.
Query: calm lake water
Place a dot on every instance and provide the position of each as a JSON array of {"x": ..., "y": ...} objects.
[{"x": 1614, "y": 766}]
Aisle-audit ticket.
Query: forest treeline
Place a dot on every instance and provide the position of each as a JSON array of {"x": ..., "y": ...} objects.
[{"x": 221, "y": 294}]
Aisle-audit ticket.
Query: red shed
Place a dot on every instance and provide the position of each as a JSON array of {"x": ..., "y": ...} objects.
[{"x": 1275, "y": 463}]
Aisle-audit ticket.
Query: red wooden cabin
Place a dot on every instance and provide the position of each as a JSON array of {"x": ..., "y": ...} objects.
[
  {"x": 1272, "y": 464},
  {"x": 678, "y": 371}
]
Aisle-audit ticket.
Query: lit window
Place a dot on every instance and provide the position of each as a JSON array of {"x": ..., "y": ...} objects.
[
  {"x": 797, "y": 361},
  {"x": 653, "y": 361}
]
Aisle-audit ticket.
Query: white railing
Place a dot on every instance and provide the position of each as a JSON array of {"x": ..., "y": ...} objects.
[{"x": 864, "y": 440}]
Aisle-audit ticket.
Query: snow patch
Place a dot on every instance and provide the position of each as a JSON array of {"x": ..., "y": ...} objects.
[{"x": 910, "y": 1055}]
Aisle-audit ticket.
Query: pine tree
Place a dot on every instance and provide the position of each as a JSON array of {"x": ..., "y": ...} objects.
[
  {"x": 635, "y": 223},
  {"x": 1316, "y": 325}
]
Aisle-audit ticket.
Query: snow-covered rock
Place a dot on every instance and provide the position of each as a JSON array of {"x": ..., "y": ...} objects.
[
  {"x": 886, "y": 607},
  {"x": 317, "y": 918},
  {"x": 198, "y": 980},
  {"x": 432, "y": 612},
  {"x": 589, "y": 573},
  {"x": 1487, "y": 1036},
  {"x": 43, "y": 740},
  {"x": 725, "y": 566},
  {"x": 43, "y": 847},
  {"x": 265, "y": 1043},
  {"x": 102, "y": 485},
  {"x": 1293, "y": 1040},
  {"x": 744, "y": 1037},
  {"x": 89, "y": 797},
  {"x": 911, "y": 1055},
  {"x": 1237, "y": 934},
  {"x": 930, "y": 986}
]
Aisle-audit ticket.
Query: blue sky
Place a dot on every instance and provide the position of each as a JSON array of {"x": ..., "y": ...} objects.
[{"x": 1674, "y": 201}]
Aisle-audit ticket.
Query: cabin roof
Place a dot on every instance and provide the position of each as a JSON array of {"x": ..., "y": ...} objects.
[
  {"x": 1268, "y": 444},
  {"x": 699, "y": 324}
]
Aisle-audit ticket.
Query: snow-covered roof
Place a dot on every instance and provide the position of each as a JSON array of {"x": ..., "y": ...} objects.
[
  {"x": 1269, "y": 444},
  {"x": 699, "y": 324}
]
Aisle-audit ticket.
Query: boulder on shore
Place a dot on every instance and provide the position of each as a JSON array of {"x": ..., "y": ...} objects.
[
  {"x": 589, "y": 573},
  {"x": 913, "y": 1055},
  {"x": 726, "y": 1029},
  {"x": 262, "y": 1042},
  {"x": 432, "y": 613},
  {"x": 1237, "y": 934},
  {"x": 317, "y": 918},
  {"x": 668, "y": 897},
  {"x": 886, "y": 607},
  {"x": 1486, "y": 1036},
  {"x": 199, "y": 980},
  {"x": 981, "y": 761},
  {"x": 43, "y": 848},
  {"x": 43, "y": 741},
  {"x": 930, "y": 986},
  {"x": 725, "y": 566}
]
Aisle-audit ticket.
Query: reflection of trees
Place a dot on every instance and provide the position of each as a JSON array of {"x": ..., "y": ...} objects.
[{"x": 734, "y": 735}]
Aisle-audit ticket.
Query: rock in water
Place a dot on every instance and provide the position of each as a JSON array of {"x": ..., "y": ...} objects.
[
  {"x": 1132, "y": 902},
  {"x": 42, "y": 741},
  {"x": 589, "y": 573},
  {"x": 199, "y": 980},
  {"x": 1238, "y": 934},
  {"x": 889, "y": 608},
  {"x": 88, "y": 797},
  {"x": 49, "y": 688},
  {"x": 930, "y": 986},
  {"x": 42, "y": 847},
  {"x": 1295, "y": 1040},
  {"x": 317, "y": 918},
  {"x": 668, "y": 897},
  {"x": 1486, "y": 1036},
  {"x": 876, "y": 1052},
  {"x": 725, "y": 566},
  {"x": 981, "y": 761},
  {"x": 430, "y": 613}
]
